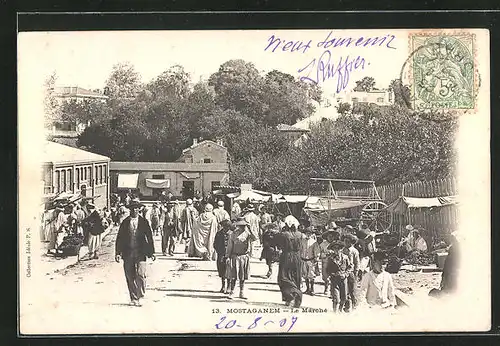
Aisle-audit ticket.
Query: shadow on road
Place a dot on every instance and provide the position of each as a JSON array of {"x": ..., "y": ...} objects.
[
  {"x": 261, "y": 282},
  {"x": 261, "y": 304},
  {"x": 205, "y": 296},
  {"x": 263, "y": 289},
  {"x": 182, "y": 259},
  {"x": 196, "y": 270},
  {"x": 182, "y": 290},
  {"x": 121, "y": 304}
]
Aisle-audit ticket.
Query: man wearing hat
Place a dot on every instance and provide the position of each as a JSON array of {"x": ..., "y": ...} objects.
[
  {"x": 253, "y": 223},
  {"x": 352, "y": 280},
  {"x": 366, "y": 238},
  {"x": 155, "y": 218},
  {"x": 189, "y": 217},
  {"x": 220, "y": 245},
  {"x": 221, "y": 213},
  {"x": 238, "y": 254},
  {"x": 134, "y": 243},
  {"x": 270, "y": 253},
  {"x": 94, "y": 226},
  {"x": 328, "y": 237},
  {"x": 168, "y": 233},
  {"x": 338, "y": 269}
]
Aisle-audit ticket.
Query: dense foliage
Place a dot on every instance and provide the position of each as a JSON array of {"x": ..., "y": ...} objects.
[{"x": 155, "y": 121}]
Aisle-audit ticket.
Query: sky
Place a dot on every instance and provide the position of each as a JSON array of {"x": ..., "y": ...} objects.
[{"x": 85, "y": 59}]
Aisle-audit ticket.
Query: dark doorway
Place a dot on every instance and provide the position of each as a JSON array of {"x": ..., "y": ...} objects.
[{"x": 187, "y": 189}]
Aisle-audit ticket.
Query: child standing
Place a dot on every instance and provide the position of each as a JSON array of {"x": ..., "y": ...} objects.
[
  {"x": 338, "y": 269},
  {"x": 310, "y": 255},
  {"x": 378, "y": 283}
]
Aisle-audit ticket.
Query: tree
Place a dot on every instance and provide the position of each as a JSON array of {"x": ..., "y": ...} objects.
[
  {"x": 85, "y": 111},
  {"x": 287, "y": 99},
  {"x": 239, "y": 86},
  {"x": 344, "y": 108},
  {"x": 402, "y": 93},
  {"x": 51, "y": 106},
  {"x": 123, "y": 83},
  {"x": 365, "y": 84}
]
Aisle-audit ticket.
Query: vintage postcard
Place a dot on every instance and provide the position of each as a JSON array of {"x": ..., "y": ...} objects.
[{"x": 254, "y": 181}]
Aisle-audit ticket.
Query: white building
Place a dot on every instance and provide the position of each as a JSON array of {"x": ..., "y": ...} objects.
[{"x": 381, "y": 97}]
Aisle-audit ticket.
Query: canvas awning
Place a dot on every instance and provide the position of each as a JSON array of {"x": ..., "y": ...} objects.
[
  {"x": 293, "y": 198},
  {"x": 252, "y": 196},
  {"x": 190, "y": 175},
  {"x": 158, "y": 183},
  {"x": 403, "y": 203},
  {"x": 323, "y": 204},
  {"x": 127, "y": 181}
]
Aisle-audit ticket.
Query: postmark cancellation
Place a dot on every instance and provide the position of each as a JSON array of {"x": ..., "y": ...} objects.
[{"x": 443, "y": 70}]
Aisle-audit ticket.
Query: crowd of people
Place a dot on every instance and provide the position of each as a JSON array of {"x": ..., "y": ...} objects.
[
  {"x": 346, "y": 258},
  {"x": 79, "y": 220}
]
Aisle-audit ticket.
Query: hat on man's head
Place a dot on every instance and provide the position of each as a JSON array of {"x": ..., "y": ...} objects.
[
  {"x": 333, "y": 225},
  {"x": 135, "y": 204},
  {"x": 220, "y": 203},
  {"x": 349, "y": 228},
  {"x": 332, "y": 232},
  {"x": 409, "y": 228},
  {"x": 189, "y": 201},
  {"x": 336, "y": 244},
  {"x": 352, "y": 238},
  {"x": 241, "y": 222},
  {"x": 250, "y": 207}
]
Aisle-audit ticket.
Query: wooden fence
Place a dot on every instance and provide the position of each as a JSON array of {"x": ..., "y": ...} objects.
[{"x": 437, "y": 223}]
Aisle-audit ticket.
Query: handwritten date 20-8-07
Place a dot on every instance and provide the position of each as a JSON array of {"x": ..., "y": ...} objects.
[{"x": 259, "y": 322}]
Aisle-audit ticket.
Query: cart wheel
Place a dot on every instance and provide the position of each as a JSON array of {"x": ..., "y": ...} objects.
[{"x": 377, "y": 216}]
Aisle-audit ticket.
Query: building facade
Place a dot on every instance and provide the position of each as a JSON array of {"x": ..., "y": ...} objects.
[
  {"x": 381, "y": 97},
  {"x": 69, "y": 170},
  {"x": 200, "y": 168}
]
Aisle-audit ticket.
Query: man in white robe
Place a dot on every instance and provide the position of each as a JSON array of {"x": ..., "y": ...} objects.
[{"x": 203, "y": 235}]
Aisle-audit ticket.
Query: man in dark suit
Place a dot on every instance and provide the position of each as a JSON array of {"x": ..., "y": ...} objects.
[{"x": 134, "y": 243}]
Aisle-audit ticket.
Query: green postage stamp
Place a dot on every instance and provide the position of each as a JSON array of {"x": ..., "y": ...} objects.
[{"x": 443, "y": 71}]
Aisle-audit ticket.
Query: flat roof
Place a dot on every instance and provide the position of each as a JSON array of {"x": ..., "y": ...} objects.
[
  {"x": 59, "y": 153},
  {"x": 167, "y": 166}
]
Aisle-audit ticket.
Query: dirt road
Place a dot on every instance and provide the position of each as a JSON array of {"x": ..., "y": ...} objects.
[{"x": 182, "y": 296}]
